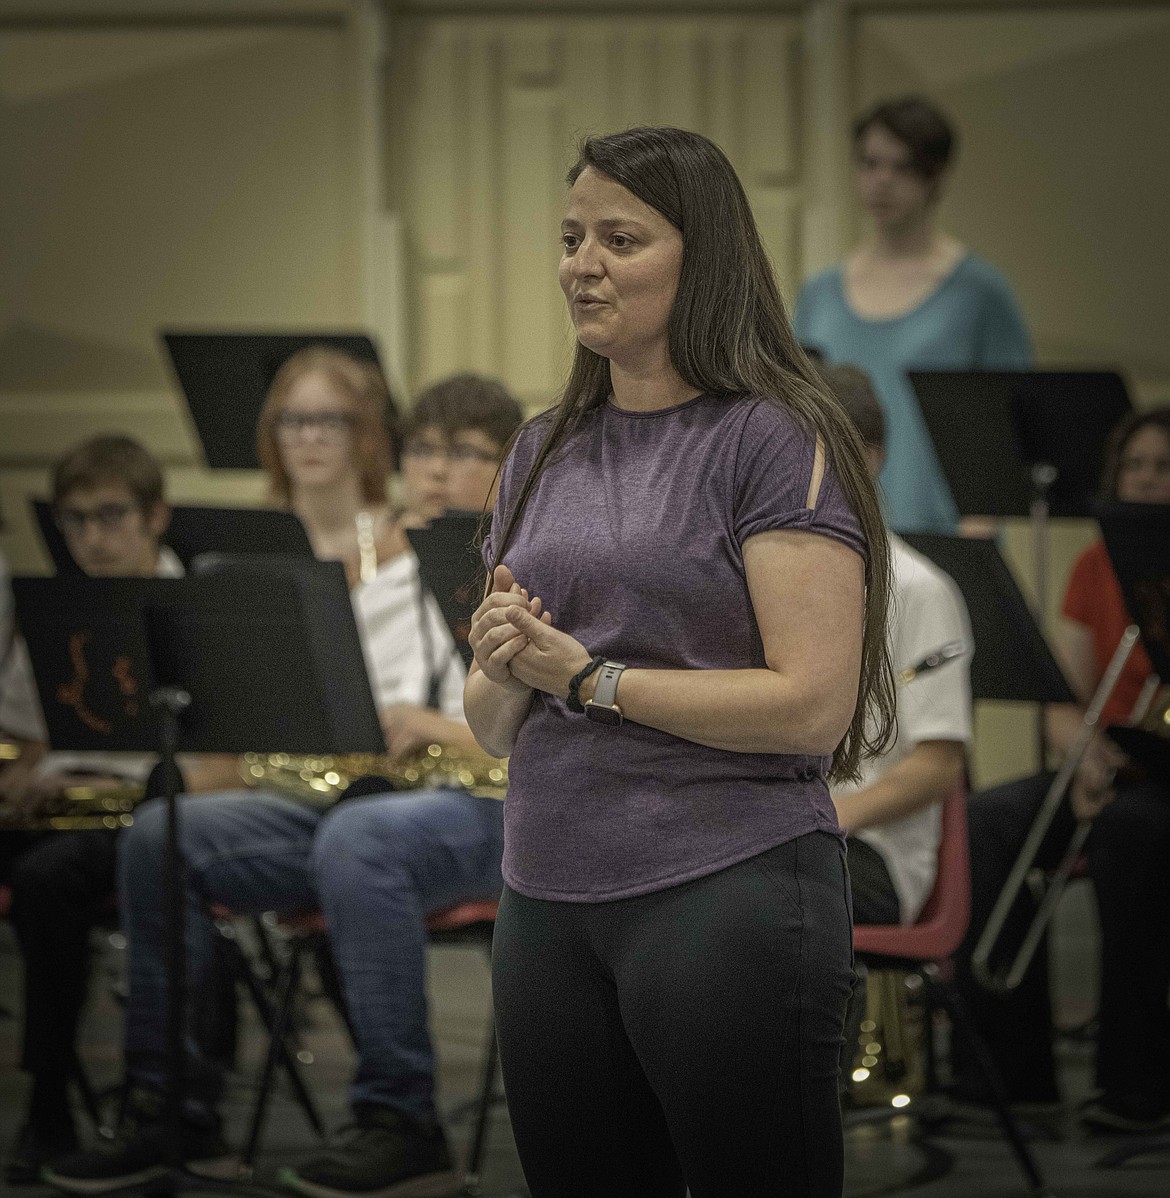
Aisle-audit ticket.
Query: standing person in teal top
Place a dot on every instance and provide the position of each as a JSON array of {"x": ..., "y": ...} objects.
[{"x": 911, "y": 297}]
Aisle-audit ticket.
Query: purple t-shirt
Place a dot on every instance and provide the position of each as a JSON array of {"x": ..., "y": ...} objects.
[{"x": 633, "y": 540}]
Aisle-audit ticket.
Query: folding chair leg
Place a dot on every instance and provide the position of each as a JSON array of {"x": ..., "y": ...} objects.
[
  {"x": 268, "y": 1012},
  {"x": 963, "y": 1026},
  {"x": 89, "y": 1099},
  {"x": 283, "y": 999},
  {"x": 487, "y": 1098}
]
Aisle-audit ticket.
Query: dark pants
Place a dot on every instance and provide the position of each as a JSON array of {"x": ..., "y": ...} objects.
[
  {"x": 875, "y": 901},
  {"x": 1129, "y": 861},
  {"x": 685, "y": 1038},
  {"x": 62, "y": 885}
]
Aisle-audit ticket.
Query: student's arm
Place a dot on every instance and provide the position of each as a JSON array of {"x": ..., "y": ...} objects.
[
  {"x": 931, "y": 771},
  {"x": 409, "y": 728},
  {"x": 16, "y": 776}
]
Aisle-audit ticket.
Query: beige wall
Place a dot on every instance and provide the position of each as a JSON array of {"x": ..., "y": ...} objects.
[
  {"x": 159, "y": 177},
  {"x": 490, "y": 109}
]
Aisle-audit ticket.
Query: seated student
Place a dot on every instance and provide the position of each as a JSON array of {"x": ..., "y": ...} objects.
[
  {"x": 108, "y": 501},
  {"x": 892, "y": 816},
  {"x": 375, "y": 866},
  {"x": 453, "y": 440},
  {"x": 1127, "y": 849}
]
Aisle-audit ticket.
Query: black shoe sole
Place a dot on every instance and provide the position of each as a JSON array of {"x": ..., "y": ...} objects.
[
  {"x": 103, "y": 1185},
  {"x": 223, "y": 1168},
  {"x": 431, "y": 1185}
]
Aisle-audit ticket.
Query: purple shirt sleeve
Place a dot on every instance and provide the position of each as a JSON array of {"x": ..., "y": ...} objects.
[{"x": 773, "y": 471}]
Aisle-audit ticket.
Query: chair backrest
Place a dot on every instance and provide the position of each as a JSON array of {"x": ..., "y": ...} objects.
[{"x": 942, "y": 923}]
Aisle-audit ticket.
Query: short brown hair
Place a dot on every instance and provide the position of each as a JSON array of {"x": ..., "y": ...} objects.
[
  {"x": 110, "y": 459},
  {"x": 375, "y": 431},
  {"x": 1124, "y": 432},
  {"x": 467, "y": 401},
  {"x": 919, "y": 125},
  {"x": 853, "y": 390}
]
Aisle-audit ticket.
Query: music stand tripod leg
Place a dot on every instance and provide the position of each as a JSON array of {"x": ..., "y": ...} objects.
[{"x": 171, "y": 702}]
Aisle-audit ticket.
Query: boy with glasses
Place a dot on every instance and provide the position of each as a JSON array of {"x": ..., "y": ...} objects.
[
  {"x": 455, "y": 439},
  {"x": 108, "y": 502}
]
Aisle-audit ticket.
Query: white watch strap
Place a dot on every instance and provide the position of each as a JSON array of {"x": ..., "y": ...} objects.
[{"x": 607, "y": 681}]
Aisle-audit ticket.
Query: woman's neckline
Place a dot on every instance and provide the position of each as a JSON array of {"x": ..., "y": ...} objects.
[
  {"x": 640, "y": 415},
  {"x": 926, "y": 300}
]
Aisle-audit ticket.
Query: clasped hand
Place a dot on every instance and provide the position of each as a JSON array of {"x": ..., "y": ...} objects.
[{"x": 516, "y": 645}]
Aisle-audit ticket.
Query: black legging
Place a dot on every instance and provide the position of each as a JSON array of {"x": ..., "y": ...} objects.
[{"x": 685, "y": 1038}]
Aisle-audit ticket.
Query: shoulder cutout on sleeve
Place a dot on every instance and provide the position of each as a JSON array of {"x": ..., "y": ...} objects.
[{"x": 818, "y": 475}]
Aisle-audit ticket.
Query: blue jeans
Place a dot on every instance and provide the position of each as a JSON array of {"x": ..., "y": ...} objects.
[{"x": 375, "y": 866}]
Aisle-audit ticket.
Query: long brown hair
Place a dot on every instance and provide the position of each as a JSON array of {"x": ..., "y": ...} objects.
[
  {"x": 375, "y": 429},
  {"x": 728, "y": 335}
]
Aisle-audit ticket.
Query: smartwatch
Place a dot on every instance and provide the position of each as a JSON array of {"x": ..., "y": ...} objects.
[{"x": 601, "y": 708}]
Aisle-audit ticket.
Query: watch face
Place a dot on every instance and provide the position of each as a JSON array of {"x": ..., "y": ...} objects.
[{"x": 603, "y": 715}]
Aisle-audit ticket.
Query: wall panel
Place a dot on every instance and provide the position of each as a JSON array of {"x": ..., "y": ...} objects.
[{"x": 515, "y": 109}]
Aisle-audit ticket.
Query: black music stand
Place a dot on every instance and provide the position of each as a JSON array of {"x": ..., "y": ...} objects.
[
  {"x": 224, "y": 378},
  {"x": 451, "y": 568},
  {"x": 1137, "y": 536},
  {"x": 195, "y": 531},
  {"x": 1022, "y": 443},
  {"x": 1012, "y": 661},
  {"x": 260, "y": 656}
]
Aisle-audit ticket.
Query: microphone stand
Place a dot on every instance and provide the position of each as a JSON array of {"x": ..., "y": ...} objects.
[{"x": 171, "y": 702}]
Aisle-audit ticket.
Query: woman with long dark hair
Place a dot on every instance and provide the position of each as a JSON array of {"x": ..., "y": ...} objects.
[{"x": 683, "y": 639}]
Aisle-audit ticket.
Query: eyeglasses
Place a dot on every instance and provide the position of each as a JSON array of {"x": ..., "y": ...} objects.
[
  {"x": 72, "y": 520},
  {"x": 457, "y": 455},
  {"x": 332, "y": 426}
]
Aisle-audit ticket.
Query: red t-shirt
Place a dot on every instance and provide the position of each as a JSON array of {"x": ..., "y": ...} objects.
[{"x": 1094, "y": 598}]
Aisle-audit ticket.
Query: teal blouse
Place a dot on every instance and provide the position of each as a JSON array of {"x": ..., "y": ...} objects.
[{"x": 969, "y": 322}]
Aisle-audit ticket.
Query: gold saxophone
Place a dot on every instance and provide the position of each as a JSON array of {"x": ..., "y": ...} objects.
[
  {"x": 84, "y": 807},
  {"x": 314, "y": 779},
  {"x": 320, "y": 779}
]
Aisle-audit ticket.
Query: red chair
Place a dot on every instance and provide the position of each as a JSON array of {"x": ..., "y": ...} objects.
[
  {"x": 470, "y": 923},
  {"x": 923, "y": 950}
]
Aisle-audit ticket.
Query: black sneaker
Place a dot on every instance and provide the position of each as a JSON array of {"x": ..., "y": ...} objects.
[
  {"x": 142, "y": 1152},
  {"x": 382, "y": 1154},
  {"x": 35, "y": 1147}
]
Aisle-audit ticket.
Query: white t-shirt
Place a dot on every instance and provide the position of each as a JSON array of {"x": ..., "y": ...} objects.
[
  {"x": 407, "y": 643},
  {"x": 21, "y": 715},
  {"x": 928, "y": 612}
]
